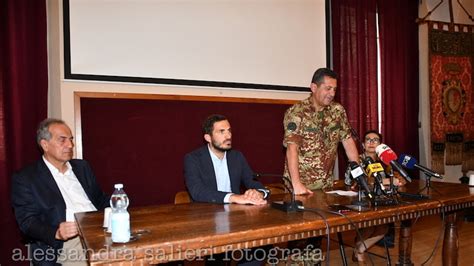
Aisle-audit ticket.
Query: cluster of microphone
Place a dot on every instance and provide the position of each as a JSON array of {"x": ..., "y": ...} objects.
[
  {"x": 360, "y": 172},
  {"x": 368, "y": 167}
]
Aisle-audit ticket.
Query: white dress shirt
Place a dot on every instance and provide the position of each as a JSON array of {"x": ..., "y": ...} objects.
[
  {"x": 72, "y": 191},
  {"x": 222, "y": 174}
]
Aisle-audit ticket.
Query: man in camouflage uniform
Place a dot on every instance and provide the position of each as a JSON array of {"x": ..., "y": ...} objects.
[{"x": 313, "y": 129}]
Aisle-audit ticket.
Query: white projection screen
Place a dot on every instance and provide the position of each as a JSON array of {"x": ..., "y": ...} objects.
[{"x": 262, "y": 44}]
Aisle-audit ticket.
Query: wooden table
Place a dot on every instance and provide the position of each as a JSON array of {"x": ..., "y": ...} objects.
[{"x": 185, "y": 231}]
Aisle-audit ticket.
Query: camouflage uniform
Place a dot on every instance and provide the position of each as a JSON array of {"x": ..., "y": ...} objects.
[{"x": 317, "y": 135}]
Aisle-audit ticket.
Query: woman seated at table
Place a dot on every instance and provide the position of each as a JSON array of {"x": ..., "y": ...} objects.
[{"x": 372, "y": 235}]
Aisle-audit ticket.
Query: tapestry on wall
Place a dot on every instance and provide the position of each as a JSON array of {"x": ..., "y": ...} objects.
[{"x": 451, "y": 101}]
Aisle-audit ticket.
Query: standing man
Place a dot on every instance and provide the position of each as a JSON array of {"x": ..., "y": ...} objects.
[
  {"x": 45, "y": 196},
  {"x": 313, "y": 129},
  {"x": 215, "y": 172}
]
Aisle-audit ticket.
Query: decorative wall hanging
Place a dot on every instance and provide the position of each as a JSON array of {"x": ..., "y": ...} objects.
[{"x": 451, "y": 48}]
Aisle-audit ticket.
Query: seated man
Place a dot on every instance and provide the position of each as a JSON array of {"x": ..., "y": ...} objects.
[
  {"x": 215, "y": 172},
  {"x": 45, "y": 196}
]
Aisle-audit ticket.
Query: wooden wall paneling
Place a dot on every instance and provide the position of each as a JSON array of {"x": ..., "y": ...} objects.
[{"x": 141, "y": 139}]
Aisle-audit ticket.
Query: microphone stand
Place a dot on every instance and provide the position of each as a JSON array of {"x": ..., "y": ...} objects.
[
  {"x": 417, "y": 196},
  {"x": 378, "y": 184},
  {"x": 359, "y": 201},
  {"x": 393, "y": 191},
  {"x": 382, "y": 196},
  {"x": 428, "y": 185},
  {"x": 293, "y": 205}
]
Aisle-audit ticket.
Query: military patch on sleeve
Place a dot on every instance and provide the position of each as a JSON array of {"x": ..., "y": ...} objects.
[{"x": 291, "y": 126}]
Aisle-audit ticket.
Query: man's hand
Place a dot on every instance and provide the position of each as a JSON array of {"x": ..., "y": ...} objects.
[
  {"x": 300, "y": 189},
  {"x": 251, "y": 196},
  {"x": 66, "y": 230},
  {"x": 399, "y": 182}
]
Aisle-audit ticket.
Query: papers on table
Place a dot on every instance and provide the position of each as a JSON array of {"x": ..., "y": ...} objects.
[{"x": 348, "y": 193}]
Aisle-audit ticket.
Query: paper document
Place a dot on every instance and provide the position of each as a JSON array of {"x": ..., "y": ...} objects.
[{"x": 343, "y": 192}]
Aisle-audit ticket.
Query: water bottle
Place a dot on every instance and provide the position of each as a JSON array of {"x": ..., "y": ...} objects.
[{"x": 120, "y": 216}]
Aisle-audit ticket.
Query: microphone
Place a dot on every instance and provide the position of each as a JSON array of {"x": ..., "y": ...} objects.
[
  {"x": 358, "y": 174},
  {"x": 293, "y": 205},
  {"x": 375, "y": 169},
  {"x": 410, "y": 163},
  {"x": 388, "y": 157}
]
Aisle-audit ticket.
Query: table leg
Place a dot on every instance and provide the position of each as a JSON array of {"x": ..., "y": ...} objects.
[
  {"x": 451, "y": 242},
  {"x": 405, "y": 240}
]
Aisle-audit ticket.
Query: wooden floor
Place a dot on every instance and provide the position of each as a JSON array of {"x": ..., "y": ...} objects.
[{"x": 425, "y": 234}]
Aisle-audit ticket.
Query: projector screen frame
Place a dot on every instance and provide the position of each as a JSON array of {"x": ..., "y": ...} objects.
[{"x": 168, "y": 81}]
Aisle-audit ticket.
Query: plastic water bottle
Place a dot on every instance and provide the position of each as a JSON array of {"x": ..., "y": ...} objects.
[{"x": 120, "y": 216}]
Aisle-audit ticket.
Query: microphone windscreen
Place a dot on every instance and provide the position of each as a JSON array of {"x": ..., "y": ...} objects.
[
  {"x": 356, "y": 170},
  {"x": 364, "y": 162},
  {"x": 381, "y": 148},
  {"x": 385, "y": 154},
  {"x": 368, "y": 160},
  {"x": 407, "y": 161},
  {"x": 374, "y": 167}
]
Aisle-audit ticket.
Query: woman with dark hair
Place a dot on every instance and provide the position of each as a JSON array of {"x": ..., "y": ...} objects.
[{"x": 372, "y": 235}]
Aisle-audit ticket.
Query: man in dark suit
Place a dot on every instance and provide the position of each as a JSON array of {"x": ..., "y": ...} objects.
[
  {"x": 215, "y": 172},
  {"x": 45, "y": 196}
]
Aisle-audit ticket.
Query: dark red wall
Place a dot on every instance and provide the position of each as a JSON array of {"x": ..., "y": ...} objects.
[{"x": 142, "y": 143}]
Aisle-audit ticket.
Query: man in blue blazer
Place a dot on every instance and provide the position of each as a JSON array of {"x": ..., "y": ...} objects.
[
  {"x": 215, "y": 172},
  {"x": 45, "y": 193}
]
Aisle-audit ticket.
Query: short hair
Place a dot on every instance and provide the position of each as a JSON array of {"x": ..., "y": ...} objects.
[
  {"x": 208, "y": 124},
  {"x": 43, "y": 129},
  {"x": 319, "y": 74},
  {"x": 374, "y": 132}
]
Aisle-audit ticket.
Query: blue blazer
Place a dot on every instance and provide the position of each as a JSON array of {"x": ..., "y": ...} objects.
[
  {"x": 40, "y": 208},
  {"x": 201, "y": 179}
]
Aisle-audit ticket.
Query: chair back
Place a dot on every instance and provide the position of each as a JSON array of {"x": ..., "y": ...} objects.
[{"x": 182, "y": 197}]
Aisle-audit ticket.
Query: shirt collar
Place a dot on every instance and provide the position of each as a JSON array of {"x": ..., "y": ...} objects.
[
  {"x": 213, "y": 155},
  {"x": 310, "y": 101},
  {"x": 55, "y": 170}
]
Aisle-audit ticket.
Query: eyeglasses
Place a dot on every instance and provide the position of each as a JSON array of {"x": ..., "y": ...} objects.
[{"x": 374, "y": 140}]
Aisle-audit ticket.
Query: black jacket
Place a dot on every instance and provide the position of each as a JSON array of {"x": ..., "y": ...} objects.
[
  {"x": 40, "y": 208},
  {"x": 201, "y": 179}
]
